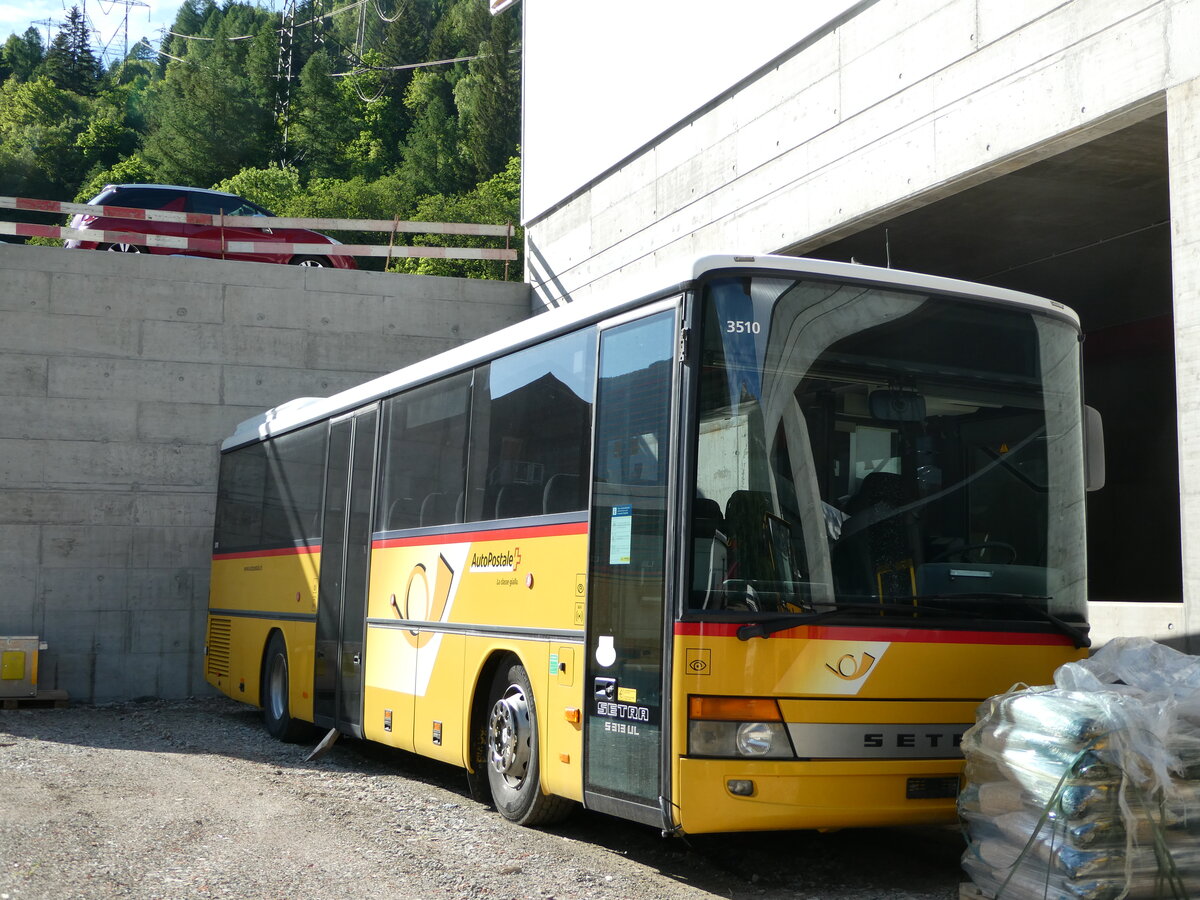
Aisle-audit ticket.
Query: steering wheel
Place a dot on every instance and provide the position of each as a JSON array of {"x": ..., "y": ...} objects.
[{"x": 959, "y": 553}]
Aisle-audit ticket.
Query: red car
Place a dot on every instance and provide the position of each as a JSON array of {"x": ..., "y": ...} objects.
[{"x": 199, "y": 200}]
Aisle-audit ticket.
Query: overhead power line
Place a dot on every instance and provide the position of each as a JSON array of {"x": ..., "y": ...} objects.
[
  {"x": 420, "y": 65},
  {"x": 280, "y": 30}
]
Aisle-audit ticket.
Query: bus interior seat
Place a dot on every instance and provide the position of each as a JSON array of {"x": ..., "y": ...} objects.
[
  {"x": 877, "y": 538},
  {"x": 710, "y": 550},
  {"x": 435, "y": 509},
  {"x": 561, "y": 493},
  {"x": 746, "y": 527},
  {"x": 396, "y": 514},
  {"x": 514, "y": 501}
]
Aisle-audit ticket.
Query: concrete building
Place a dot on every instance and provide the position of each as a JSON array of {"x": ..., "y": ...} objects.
[
  {"x": 1051, "y": 146},
  {"x": 120, "y": 376}
]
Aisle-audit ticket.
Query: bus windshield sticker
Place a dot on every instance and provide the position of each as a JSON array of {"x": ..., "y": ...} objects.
[{"x": 621, "y": 536}]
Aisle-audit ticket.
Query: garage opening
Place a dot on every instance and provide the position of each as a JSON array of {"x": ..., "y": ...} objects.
[{"x": 1089, "y": 227}]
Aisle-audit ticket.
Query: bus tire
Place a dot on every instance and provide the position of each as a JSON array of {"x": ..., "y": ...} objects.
[
  {"x": 512, "y": 753},
  {"x": 277, "y": 717}
]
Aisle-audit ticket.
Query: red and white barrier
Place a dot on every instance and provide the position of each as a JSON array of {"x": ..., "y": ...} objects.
[{"x": 207, "y": 245}]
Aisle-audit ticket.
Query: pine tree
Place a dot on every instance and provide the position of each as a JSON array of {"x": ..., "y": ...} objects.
[
  {"x": 69, "y": 62},
  {"x": 190, "y": 19},
  {"x": 489, "y": 99},
  {"x": 207, "y": 122},
  {"x": 325, "y": 121}
]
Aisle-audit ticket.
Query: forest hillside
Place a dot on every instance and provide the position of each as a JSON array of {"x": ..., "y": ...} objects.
[{"x": 374, "y": 109}]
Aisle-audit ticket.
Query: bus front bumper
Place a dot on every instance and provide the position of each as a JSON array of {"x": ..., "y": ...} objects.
[{"x": 715, "y": 795}]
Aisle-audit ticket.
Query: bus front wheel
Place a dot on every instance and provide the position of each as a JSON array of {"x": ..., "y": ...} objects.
[
  {"x": 277, "y": 715},
  {"x": 512, "y": 753}
]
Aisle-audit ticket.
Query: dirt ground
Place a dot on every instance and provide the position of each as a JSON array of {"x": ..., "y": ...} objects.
[{"x": 192, "y": 799}]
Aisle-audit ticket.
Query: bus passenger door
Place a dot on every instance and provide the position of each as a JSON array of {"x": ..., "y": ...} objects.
[
  {"x": 345, "y": 557},
  {"x": 623, "y": 691}
]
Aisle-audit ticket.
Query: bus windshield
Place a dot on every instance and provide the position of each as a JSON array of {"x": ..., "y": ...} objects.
[{"x": 871, "y": 452}]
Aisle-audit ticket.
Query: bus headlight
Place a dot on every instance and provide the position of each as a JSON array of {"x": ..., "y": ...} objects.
[
  {"x": 758, "y": 738},
  {"x": 737, "y": 728}
]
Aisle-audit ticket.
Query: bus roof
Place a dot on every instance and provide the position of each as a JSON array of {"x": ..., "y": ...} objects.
[{"x": 305, "y": 410}]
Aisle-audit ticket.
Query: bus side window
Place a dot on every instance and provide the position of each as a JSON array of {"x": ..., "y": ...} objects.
[
  {"x": 292, "y": 495},
  {"x": 530, "y": 430},
  {"x": 424, "y": 455},
  {"x": 240, "y": 499}
]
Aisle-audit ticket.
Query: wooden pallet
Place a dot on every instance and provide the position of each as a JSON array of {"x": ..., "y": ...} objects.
[{"x": 40, "y": 700}]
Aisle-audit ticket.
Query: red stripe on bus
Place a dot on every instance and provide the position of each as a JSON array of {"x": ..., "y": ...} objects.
[
  {"x": 280, "y": 551},
  {"x": 875, "y": 633},
  {"x": 464, "y": 537}
]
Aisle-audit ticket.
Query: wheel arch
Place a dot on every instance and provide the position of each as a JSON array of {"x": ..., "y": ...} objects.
[
  {"x": 477, "y": 716},
  {"x": 268, "y": 636}
]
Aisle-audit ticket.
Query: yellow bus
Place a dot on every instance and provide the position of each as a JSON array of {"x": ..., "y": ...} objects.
[{"x": 743, "y": 553}]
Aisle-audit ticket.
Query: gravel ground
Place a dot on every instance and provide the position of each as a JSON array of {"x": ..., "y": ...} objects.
[{"x": 193, "y": 799}]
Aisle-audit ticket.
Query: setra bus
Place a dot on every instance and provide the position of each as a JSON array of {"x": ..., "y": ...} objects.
[{"x": 741, "y": 554}]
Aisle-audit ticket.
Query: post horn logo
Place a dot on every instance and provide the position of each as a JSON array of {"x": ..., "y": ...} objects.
[
  {"x": 422, "y": 604},
  {"x": 848, "y": 668}
]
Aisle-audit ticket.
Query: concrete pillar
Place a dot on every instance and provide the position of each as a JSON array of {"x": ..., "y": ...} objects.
[{"x": 1183, "y": 148}]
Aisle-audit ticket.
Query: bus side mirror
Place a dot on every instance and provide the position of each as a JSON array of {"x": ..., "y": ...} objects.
[{"x": 1093, "y": 448}]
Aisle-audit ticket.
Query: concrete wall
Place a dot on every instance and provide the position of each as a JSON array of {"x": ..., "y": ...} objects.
[
  {"x": 1183, "y": 147},
  {"x": 119, "y": 377},
  {"x": 902, "y": 103}
]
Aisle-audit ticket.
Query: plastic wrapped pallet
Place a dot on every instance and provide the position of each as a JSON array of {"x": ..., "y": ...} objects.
[{"x": 1089, "y": 789}]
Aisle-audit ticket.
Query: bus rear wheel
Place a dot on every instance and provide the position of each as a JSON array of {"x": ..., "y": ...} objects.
[
  {"x": 277, "y": 716},
  {"x": 512, "y": 753}
]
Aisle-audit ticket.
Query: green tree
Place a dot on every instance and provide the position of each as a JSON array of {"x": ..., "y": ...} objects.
[
  {"x": 105, "y": 139},
  {"x": 262, "y": 63},
  {"x": 367, "y": 154},
  {"x": 135, "y": 169},
  {"x": 496, "y": 202},
  {"x": 206, "y": 123},
  {"x": 384, "y": 198},
  {"x": 432, "y": 161},
  {"x": 69, "y": 62},
  {"x": 489, "y": 99},
  {"x": 325, "y": 121},
  {"x": 274, "y": 187},
  {"x": 189, "y": 20},
  {"x": 39, "y": 125},
  {"x": 24, "y": 53}
]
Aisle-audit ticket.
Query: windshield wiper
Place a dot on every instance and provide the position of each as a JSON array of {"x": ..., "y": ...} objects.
[
  {"x": 1079, "y": 636},
  {"x": 767, "y": 627},
  {"x": 764, "y": 628},
  {"x": 899, "y": 606},
  {"x": 1026, "y": 601}
]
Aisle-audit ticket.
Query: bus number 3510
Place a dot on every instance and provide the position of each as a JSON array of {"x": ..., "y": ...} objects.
[{"x": 742, "y": 326}]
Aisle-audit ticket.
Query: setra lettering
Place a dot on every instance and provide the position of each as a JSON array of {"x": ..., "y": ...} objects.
[
  {"x": 908, "y": 740},
  {"x": 622, "y": 711}
]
